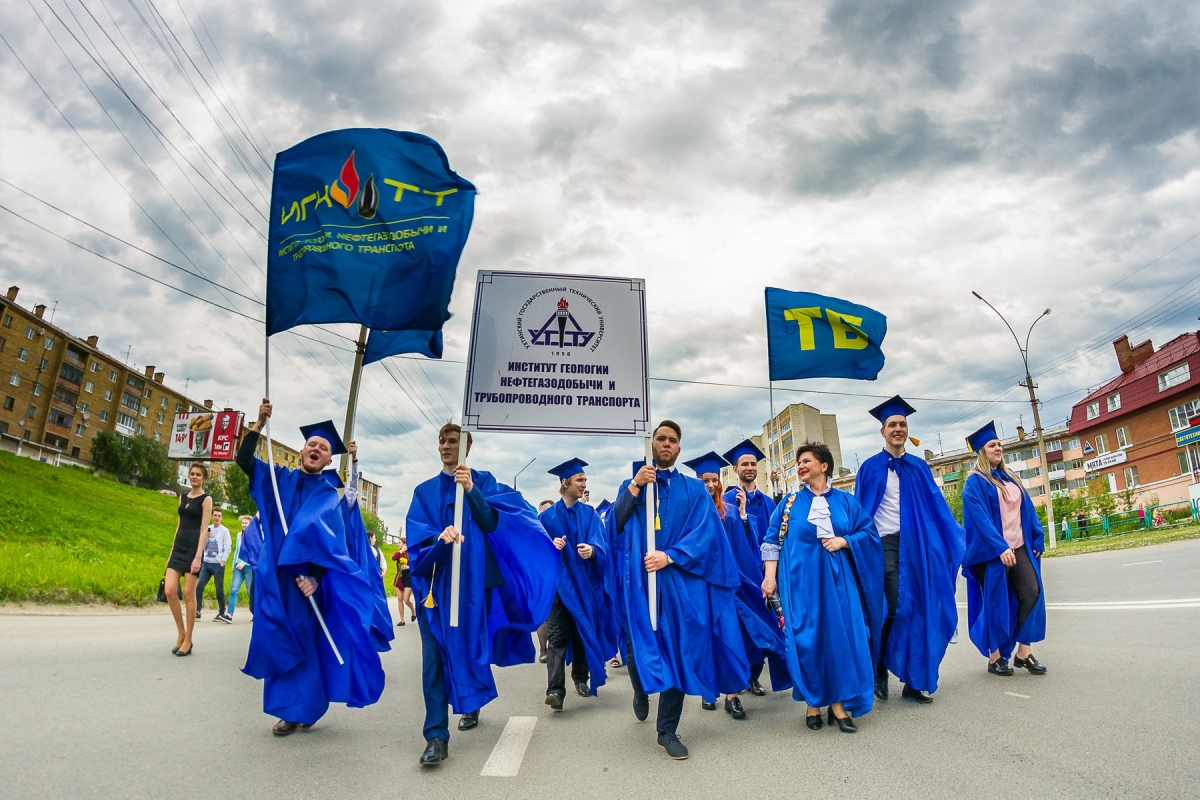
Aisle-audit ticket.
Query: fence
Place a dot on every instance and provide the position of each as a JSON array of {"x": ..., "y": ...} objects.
[{"x": 1164, "y": 515}]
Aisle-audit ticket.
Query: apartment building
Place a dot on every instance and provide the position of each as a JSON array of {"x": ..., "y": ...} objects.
[{"x": 790, "y": 428}]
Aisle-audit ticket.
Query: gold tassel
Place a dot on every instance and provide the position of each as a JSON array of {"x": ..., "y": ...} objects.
[
  {"x": 429, "y": 598},
  {"x": 657, "y": 523},
  {"x": 916, "y": 442}
]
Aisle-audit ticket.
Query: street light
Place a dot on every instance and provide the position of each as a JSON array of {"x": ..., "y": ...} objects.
[
  {"x": 522, "y": 469},
  {"x": 1037, "y": 417}
]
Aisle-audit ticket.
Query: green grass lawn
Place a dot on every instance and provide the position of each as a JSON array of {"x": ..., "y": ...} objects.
[
  {"x": 69, "y": 537},
  {"x": 1123, "y": 541}
]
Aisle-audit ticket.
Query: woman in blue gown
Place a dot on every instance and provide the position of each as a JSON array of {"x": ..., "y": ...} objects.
[{"x": 823, "y": 554}]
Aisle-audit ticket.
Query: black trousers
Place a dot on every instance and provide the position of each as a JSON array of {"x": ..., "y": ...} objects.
[
  {"x": 891, "y": 590},
  {"x": 563, "y": 632},
  {"x": 1023, "y": 580},
  {"x": 670, "y": 701}
]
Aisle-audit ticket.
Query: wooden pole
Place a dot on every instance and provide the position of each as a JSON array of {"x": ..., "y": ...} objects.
[{"x": 352, "y": 403}]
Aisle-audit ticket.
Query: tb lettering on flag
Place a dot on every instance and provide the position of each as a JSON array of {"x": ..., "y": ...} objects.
[{"x": 813, "y": 336}]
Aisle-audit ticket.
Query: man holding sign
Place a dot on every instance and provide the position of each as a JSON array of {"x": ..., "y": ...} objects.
[
  {"x": 509, "y": 572},
  {"x": 695, "y": 645}
]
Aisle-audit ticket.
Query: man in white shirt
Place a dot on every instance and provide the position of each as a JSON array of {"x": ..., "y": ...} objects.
[{"x": 216, "y": 553}]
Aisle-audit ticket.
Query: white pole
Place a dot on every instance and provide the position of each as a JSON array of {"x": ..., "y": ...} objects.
[
  {"x": 279, "y": 503},
  {"x": 651, "y": 544},
  {"x": 456, "y": 557}
]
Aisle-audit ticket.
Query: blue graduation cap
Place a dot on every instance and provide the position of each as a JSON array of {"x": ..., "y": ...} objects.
[
  {"x": 744, "y": 448},
  {"x": 332, "y": 476},
  {"x": 638, "y": 465},
  {"x": 604, "y": 506},
  {"x": 896, "y": 407},
  {"x": 327, "y": 432},
  {"x": 709, "y": 462},
  {"x": 979, "y": 438},
  {"x": 568, "y": 468}
]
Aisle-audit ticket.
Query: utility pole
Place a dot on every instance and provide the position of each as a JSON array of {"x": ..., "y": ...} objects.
[
  {"x": 1037, "y": 417},
  {"x": 522, "y": 469}
]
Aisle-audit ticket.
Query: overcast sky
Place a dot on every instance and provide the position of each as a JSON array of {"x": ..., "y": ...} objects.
[{"x": 896, "y": 154}]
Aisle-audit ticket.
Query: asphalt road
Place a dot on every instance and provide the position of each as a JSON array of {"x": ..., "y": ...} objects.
[{"x": 95, "y": 706}]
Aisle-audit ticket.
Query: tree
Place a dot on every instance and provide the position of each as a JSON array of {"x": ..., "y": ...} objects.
[
  {"x": 111, "y": 455},
  {"x": 237, "y": 490},
  {"x": 214, "y": 487},
  {"x": 374, "y": 525},
  {"x": 1098, "y": 499},
  {"x": 138, "y": 461},
  {"x": 954, "y": 500}
]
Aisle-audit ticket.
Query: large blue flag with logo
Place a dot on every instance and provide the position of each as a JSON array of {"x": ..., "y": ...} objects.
[
  {"x": 813, "y": 336},
  {"x": 367, "y": 226}
]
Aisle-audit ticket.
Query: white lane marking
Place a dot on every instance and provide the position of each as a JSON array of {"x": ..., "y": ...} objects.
[
  {"x": 509, "y": 752},
  {"x": 1121, "y": 605},
  {"x": 1139, "y": 563},
  {"x": 1014, "y": 694}
]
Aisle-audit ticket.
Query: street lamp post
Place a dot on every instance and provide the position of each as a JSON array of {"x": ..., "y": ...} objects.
[
  {"x": 522, "y": 469},
  {"x": 1037, "y": 417}
]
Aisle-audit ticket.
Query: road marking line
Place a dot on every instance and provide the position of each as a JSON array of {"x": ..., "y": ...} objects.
[
  {"x": 1014, "y": 694},
  {"x": 1121, "y": 605},
  {"x": 1139, "y": 563},
  {"x": 509, "y": 752}
]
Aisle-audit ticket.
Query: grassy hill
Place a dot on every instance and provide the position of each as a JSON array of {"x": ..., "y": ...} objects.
[{"x": 69, "y": 537}]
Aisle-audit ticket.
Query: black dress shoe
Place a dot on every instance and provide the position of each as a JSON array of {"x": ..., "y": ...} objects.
[
  {"x": 814, "y": 722},
  {"x": 881, "y": 684},
  {"x": 756, "y": 688},
  {"x": 283, "y": 728},
  {"x": 641, "y": 707},
  {"x": 581, "y": 689},
  {"x": 304, "y": 727},
  {"x": 554, "y": 701},
  {"x": 1000, "y": 667},
  {"x": 733, "y": 707},
  {"x": 468, "y": 721},
  {"x": 707, "y": 706},
  {"x": 675, "y": 749},
  {"x": 845, "y": 724},
  {"x": 915, "y": 694},
  {"x": 435, "y": 753},
  {"x": 174, "y": 650},
  {"x": 1031, "y": 664}
]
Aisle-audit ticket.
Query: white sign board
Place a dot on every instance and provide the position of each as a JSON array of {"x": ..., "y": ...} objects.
[
  {"x": 558, "y": 354},
  {"x": 1104, "y": 461}
]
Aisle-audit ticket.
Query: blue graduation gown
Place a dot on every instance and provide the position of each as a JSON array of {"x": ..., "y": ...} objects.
[
  {"x": 992, "y": 605},
  {"x": 614, "y": 587},
  {"x": 252, "y": 542},
  {"x": 698, "y": 645},
  {"x": 759, "y": 507},
  {"x": 359, "y": 548},
  {"x": 931, "y": 550},
  {"x": 288, "y": 650},
  {"x": 833, "y": 603},
  {"x": 581, "y": 584},
  {"x": 494, "y": 624}
]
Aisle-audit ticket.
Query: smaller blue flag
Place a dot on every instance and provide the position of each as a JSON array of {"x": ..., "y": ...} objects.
[
  {"x": 381, "y": 344},
  {"x": 813, "y": 336}
]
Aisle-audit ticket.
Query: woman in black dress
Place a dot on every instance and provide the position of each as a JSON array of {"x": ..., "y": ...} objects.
[{"x": 195, "y": 510}]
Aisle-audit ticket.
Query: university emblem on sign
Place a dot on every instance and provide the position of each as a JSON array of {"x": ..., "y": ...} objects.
[{"x": 561, "y": 319}]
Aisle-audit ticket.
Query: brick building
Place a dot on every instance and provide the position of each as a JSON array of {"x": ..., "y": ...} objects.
[
  {"x": 60, "y": 390},
  {"x": 1141, "y": 430},
  {"x": 790, "y": 428}
]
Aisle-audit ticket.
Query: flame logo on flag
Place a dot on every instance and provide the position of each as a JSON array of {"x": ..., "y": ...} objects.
[{"x": 346, "y": 192}]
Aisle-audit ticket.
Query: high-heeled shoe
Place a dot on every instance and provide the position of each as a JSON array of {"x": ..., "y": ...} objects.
[
  {"x": 814, "y": 722},
  {"x": 181, "y": 654},
  {"x": 1029, "y": 663},
  {"x": 845, "y": 724}
]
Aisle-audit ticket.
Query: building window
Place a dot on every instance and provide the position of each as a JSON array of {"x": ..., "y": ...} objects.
[
  {"x": 49, "y": 345},
  {"x": 37, "y": 390},
  {"x": 84, "y": 407},
  {"x": 1093, "y": 409},
  {"x": 9, "y": 402},
  {"x": 74, "y": 452},
  {"x": 1189, "y": 459},
  {"x": 787, "y": 426},
  {"x": 8, "y": 320},
  {"x": 79, "y": 429},
  {"x": 112, "y": 374},
  {"x": 42, "y": 364},
  {"x": 15, "y": 380},
  {"x": 28, "y": 332},
  {"x": 1054, "y": 446},
  {"x": 1122, "y": 438},
  {"x": 1114, "y": 401},
  {"x": 164, "y": 401},
  {"x": 140, "y": 430},
  {"x": 31, "y": 411},
  {"x": 94, "y": 366},
  {"x": 1131, "y": 477},
  {"x": 179, "y": 408},
  {"x": 1173, "y": 377},
  {"x": 3, "y": 342},
  {"x": 104, "y": 416},
  {"x": 1183, "y": 415},
  {"x": 143, "y": 411},
  {"x": 1073, "y": 443},
  {"x": 22, "y": 354},
  {"x": 1101, "y": 443},
  {"x": 108, "y": 395},
  {"x": 146, "y": 393},
  {"x": 157, "y": 436},
  {"x": 89, "y": 386},
  {"x": 161, "y": 418}
]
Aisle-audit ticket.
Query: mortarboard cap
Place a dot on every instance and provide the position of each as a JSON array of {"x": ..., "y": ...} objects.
[
  {"x": 979, "y": 438},
  {"x": 326, "y": 431},
  {"x": 896, "y": 407},
  {"x": 709, "y": 462},
  {"x": 638, "y": 465},
  {"x": 568, "y": 468},
  {"x": 744, "y": 448},
  {"x": 604, "y": 506},
  {"x": 331, "y": 475}
]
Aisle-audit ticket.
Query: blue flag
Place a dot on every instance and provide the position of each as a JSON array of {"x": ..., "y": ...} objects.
[
  {"x": 367, "y": 226},
  {"x": 381, "y": 344},
  {"x": 812, "y": 336}
]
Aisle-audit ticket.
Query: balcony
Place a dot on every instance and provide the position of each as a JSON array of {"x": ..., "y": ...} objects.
[
  {"x": 74, "y": 360},
  {"x": 1058, "y": 474},
  {"x": 951, "y": 477}
]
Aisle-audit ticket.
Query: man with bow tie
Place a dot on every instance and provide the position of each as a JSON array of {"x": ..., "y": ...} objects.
[{"x": 922, "y": 551}]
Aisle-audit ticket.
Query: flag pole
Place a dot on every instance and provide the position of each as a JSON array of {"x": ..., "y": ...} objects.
[
  {"x": 279, "y": 503},
  {"x": 770, "y": 448},
  {"x": 651, "y": 544},
  {"x": 352, "y": 403},
  {"x": 456, "y": 552}
]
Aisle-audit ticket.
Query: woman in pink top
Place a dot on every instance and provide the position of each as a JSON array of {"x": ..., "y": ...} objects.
[{"x": 1006, "y": 605}]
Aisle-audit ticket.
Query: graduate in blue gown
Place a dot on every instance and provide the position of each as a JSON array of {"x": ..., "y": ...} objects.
[
  {"x": 697, "y": 647},
  {"x": 1006, "y": 601},
  {"x": 761, "y": 636},
  {"x": 579, "y": 631},
  {"x": 288, "y": 650},
  {"x": 922, "y": 550},
  {"x": 509, "y": 573},
  {"x": 358, "y": 544},
  {"x": 825, "y": 558}
]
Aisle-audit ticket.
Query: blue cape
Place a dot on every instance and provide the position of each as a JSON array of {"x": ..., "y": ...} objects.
[
  {"x": 252, "y": 542},
  {"x": 931, "y": 550},
  {"x": 992, "y": 605},
  {"x": 358, "y": 546},
  {"x": 582, "y": 582},
  {"x": 494, "y": 624},
  {"x": 614, "y": 587},
  {"x": 288, "y": 650},
  {"x": 759, "y": 507},
  {"x": 698, "y": 645},
  {"x": 833, "y": 602}
]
